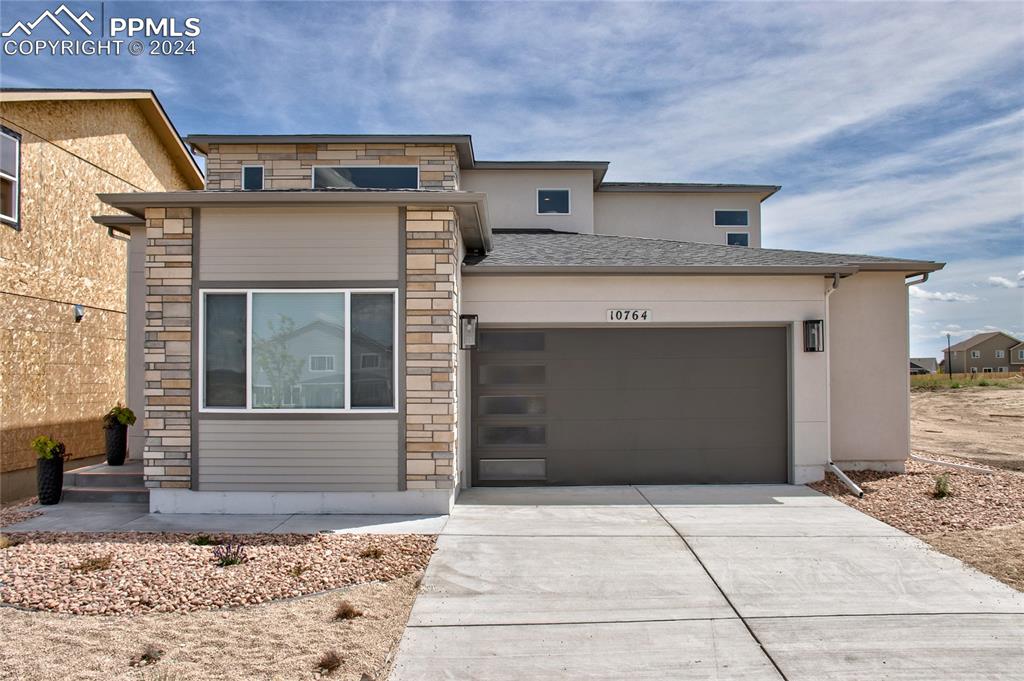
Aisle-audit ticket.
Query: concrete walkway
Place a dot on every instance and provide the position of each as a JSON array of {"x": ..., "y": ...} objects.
[
  {"x": 740, "y": 582},
  {"x": 101, "y": 517}
]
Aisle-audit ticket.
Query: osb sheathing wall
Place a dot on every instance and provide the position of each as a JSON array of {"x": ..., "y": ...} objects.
[
  {"x": 290, "y": 166},
  {"x": 57, "y": 376}
]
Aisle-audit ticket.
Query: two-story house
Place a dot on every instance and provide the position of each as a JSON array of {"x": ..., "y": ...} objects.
[
  {"x": 992, "y": 352},
  {"x": 369, "y": 323},
  {"x": 62, "y": 276}
]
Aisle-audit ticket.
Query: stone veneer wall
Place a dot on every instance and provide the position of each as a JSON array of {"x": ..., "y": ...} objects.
[
  {"x": 168, "y": 353},
  {"x": 290, "y": 166},
  {"x": 431, "y": 346}
]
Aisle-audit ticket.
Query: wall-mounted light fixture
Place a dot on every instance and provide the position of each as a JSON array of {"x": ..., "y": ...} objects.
[
  {"x": 814, "y": 335},
  {"x": 79, "y": 312},
  {"x": 467, "y": 331}
]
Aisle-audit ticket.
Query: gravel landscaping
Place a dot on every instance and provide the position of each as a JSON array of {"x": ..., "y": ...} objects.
[
  {"x": 22, "y": 510},
  {"x": 135, "y": 573},
  {"x": 280, "y": 640},
  {"x": 981, "y": 522}
]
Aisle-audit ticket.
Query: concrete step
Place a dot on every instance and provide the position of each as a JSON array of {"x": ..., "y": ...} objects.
[
  {"x": 123, "y": 495},
  {"x": 102, "y": 476}
]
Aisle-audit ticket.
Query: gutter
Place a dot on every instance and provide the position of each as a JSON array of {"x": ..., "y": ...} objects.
[{"x": 828, "y": 394}]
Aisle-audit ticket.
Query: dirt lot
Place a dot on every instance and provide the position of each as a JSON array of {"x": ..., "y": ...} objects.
[
  {"x": 985, "y": 425},
  {"x": 278, "y": 641}
]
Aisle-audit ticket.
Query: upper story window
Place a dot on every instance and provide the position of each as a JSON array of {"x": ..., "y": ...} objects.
[
  {"x": 10, "y": 184},
  {"x": 553, "y": 202},
  {"x": 1000, "y": 354},
  {"x": 737, "y": 239},
  {"x": 252, "y": 178},
  {"x": 366, "y": 177},
  {"x": 732, "y": 218},
  {"x": 1020, "y": 354},
  {"x": 975, "y": 354}
]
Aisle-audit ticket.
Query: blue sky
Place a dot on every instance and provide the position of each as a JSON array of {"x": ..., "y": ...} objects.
[{"x": 894, "y": 128}]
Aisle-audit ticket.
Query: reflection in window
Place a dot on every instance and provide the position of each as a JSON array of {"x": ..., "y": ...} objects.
[
  {"x": 224, "y": 380},
  {"x": 373, "y": 350}
]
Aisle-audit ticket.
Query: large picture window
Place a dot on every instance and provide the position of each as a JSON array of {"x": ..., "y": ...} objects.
[{"x": 298, "y": 350}]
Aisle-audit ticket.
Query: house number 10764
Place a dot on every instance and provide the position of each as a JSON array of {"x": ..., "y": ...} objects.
[{"x": 629, "y": 315}]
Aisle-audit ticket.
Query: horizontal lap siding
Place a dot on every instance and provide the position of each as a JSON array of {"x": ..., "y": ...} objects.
[
  {"x": 298, "y": 456},
  {"x": 315, "y": 244}
]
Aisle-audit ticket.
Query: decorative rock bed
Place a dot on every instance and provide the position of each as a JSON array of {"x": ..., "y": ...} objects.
[
  {"x": 134, "y": 573},
  {"x": 22, "y": 510}
]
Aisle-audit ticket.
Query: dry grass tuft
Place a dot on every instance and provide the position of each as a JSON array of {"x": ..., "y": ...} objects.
[
  {"x": 373, "y": 552},
  {"x": 329, "y": 662},
  {"x": 347, "y": 611},
  {"x": 150, "y": 655},
  {"x": 7, "y": 541},
  {"x": 94, "y": 563}
]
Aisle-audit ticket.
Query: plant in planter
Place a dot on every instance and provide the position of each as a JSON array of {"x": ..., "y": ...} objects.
[
  {"x": 116, "y": 424},
  {"x": 49, "y": 469}
]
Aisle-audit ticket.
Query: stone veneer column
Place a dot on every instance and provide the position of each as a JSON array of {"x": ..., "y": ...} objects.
[
  {"x": 431, "y": 346},
  {"x": 168, "y": 353}
]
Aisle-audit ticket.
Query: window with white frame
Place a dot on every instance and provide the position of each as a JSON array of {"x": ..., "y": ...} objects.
[
  {"x": 366, "y": 177},
  {"x": 1000, "y": 354},
  {"x": 1020, "y": 354},
  {"x": 10, "y": 176},
  {"x": 279, "y": 349},
  {"x": 1001, "y": 370},
  {"x": 737, "y": 239},
  {"x": 252, "y": 178},
  {"x": 987, "y": 370},
  {"x": 974, "y": 370},
  {"x": 975, "y": 354},
  {"x": 732, "y": 218},
  {"x": 553, "y": 202}
]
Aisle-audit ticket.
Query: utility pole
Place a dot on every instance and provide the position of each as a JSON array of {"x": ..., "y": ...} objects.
[{"x": 949, "y": 359}]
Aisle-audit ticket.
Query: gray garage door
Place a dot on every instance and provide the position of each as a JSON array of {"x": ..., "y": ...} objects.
[{"x": 629, "y": 406}]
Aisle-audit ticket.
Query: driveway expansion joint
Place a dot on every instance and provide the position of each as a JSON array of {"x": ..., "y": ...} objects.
[{"x": 572, "y": 623}]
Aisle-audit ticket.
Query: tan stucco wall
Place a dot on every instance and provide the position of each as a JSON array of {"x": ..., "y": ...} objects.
[
  {"x": 869, "y": 343},
  {"x": 682, "y": 217},
  {"x": 512, "y": 197},
  {"x": 57, "y": 376},
  {"x": 582, "y": 301}
]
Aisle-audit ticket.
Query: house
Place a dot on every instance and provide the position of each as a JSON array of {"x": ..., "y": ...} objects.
[
  {"x": 992, "y": 352},
  {"x": 525, "y": 323},
  {"x": 63, "y": 278},
  {"x": 923, "y": 365}
]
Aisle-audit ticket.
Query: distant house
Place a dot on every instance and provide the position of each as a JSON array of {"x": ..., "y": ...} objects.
[
  {"x": 993, "y": 352},
  {"x": 923, "y": 365}
]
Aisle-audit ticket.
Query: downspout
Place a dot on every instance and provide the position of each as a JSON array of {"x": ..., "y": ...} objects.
[{"x": 828, "y": 395}]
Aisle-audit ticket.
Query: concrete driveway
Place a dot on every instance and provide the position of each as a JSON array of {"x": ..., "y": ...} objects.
[{"x": 739, "y": 582}]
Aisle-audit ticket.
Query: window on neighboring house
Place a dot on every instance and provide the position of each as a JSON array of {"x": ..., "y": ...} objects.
[
  {"x": 279, "y": 350},
  {"x": 1001, "y": 370},
  {"x": 737, "y": 239},
  {"x": 974, "y": 370},
  {"x": 1020, "y": 354},
  {"x": 369, "y": 360},
  {"x": 252, "y": 178},
  {"x": 366, "y": 177},
  {"x": 975, "y": 354},
  {"x": 1000, "y": 354},
  {"x": 732, "y": 218},
  {"x": 553, "y": 202},
  {"x": 987, "y": 370},
  {"x": 321, "y": 362},
  {"x": 10, "y": 176}
]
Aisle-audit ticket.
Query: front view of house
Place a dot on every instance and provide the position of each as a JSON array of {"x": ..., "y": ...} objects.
[{"x": 357, "y": 324}]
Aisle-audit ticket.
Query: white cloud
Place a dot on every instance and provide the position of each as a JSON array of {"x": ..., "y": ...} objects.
[
  {"x": 950, "y": 297},
  {"x": 1003, "y": 281}
]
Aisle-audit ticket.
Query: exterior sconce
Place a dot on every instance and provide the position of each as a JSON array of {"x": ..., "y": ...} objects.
[
  {"x": 814, "y": 335},
  {"x": 79, "y": 312},
  {"x": 468, "y": 331}
]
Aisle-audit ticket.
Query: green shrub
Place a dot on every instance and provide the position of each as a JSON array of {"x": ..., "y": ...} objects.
[
  {"x": 48, "y": 448},
  {"x": 203, "y": 540},
  {"x": 118, "y": 416},
  {"x": 943, "y": 488}
]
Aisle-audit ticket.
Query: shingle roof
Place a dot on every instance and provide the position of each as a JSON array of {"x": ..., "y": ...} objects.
[
  {"x": 979, "y": 338},
  {"x": 549, "y": 250}
]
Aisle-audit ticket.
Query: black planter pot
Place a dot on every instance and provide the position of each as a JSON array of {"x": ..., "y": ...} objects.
[
  {"x": 50, "y": 480},
  {"x": 117, "y": 445}
]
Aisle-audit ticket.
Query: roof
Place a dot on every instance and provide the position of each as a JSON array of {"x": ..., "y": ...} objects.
[
  {"x": 470, "y": 206},
  {"x": 765, "y": 190},
  {"x": 151, "y": 108},
  {"x": 929, "y": 363},
  {"x": 979, "y": 338},
  {"x": 598, "y": 168},
  {"x": 463, "y": 143},
  {"x": 547, "y": 251}
]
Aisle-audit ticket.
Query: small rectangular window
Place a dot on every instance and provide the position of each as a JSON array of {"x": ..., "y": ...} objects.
[
  {"x": 252, "y": 178},
  {"x": 513, "y": 405},
  {"x": 1001, "y": 370},
  {"x": 732, "y": 218},
  {"x": 737, "y": 239},
  {"x": 366, "y": 177},
  {"x": 321, "y": 363},
  {"x": 1020, "y": 354},
  {"x": 975, "y": 354},
  {"x": 987, "y": 370},
  {"x": 10, "y": 176},
  {"x": 513, "y": 435},
  {"x": 1000, "y": 354},
  {"x": 553, "y": 202}
]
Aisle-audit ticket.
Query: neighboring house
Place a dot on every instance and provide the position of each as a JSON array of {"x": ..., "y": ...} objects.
[
  {"x": 993, "y": 352},
  {"x": 616, "y": 335},
  {"x": 923, "y": 365},
  {"x": 58, "y": 375}
]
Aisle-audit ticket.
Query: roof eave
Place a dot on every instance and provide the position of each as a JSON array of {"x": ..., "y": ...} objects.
[
  {"x": 737, "y": 270},
  {"x": 462, "y": 143}
]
